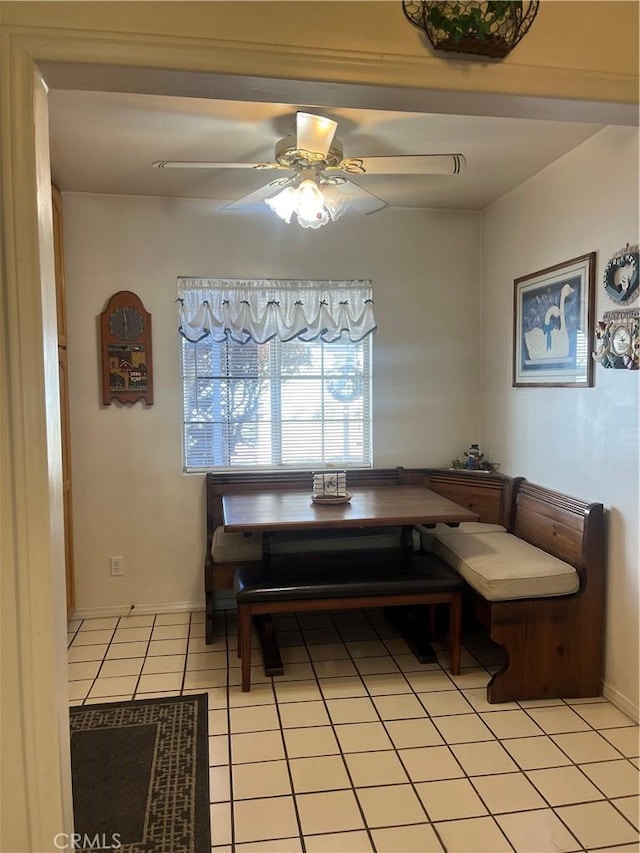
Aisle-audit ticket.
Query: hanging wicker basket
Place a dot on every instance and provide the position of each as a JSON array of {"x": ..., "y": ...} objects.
[{"x": 487, "y": 29}]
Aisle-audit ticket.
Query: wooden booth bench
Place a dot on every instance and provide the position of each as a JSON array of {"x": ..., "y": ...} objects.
[
  {"x": 532, "y": 569},
  {"x": 535, "y": 569}
]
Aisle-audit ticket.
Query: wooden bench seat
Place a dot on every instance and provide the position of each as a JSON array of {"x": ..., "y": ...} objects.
[
  {"x": 550, "y": 625},
  {"x": 333, "y": 584}
]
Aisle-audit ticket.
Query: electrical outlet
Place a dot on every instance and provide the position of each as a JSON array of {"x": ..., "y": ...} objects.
[{"x": 117, "y": 567}]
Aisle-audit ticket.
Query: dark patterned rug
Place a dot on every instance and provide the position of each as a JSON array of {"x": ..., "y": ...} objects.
[{"x": 140, "y": 774}]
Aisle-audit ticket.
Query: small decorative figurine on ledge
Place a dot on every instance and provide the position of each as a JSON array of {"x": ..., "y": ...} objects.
[
  {"x": 474, "y": 461},
  {"x": 474, "y": 457}
]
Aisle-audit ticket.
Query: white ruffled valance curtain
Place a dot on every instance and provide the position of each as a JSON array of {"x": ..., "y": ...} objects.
[{"x": 244, "y": 310}]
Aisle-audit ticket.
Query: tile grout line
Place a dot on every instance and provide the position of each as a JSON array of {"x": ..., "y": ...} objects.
[
  {"x": 104, "y": 657},
  {"x": 146, "y": 654},
  {"x": 288, "y": 766},
  {"x": 232, "y": 819}
]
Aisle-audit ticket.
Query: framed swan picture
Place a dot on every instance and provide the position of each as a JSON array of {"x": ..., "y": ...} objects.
[{"x": 553, "y": 321}]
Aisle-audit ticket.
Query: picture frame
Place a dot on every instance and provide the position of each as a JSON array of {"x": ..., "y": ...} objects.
[{"x": 553, "y": 325}]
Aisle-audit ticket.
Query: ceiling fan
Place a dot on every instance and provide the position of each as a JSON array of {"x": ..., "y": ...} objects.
[{"x": 314, "y": 159}]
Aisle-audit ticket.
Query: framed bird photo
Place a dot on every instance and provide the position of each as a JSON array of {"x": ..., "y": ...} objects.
[{"x": 553, "y": 323}]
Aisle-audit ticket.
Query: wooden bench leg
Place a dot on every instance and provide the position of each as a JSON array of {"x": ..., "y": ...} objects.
[
  {"x": 209, "y": 605},
  {"x": 455, "y": 632},
  {"x": 269, "y": 643},
  {"x": 244, "y": 644},
  {"x": 433, "y": 622}
]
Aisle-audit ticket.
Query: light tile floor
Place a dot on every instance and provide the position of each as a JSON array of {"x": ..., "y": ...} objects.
[{"x": 358, "y": 747}]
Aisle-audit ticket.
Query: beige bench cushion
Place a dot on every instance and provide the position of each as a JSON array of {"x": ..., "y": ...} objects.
[
  {"x": 229, "y": 547},
  {"x": 502, "y": 567},
  {"x": 235, "y": 547},
  {"x": 427, "y": 533}
]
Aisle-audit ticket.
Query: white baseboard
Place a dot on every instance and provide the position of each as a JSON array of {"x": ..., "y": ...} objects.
[
  {"x": 621, "y": 702},
  {"x": 135, "y": 609}
]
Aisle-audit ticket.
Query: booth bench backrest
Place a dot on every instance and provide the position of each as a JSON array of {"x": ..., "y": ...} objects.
[
  {"x": 570, "y": 529},
  {"x": 487, "y": 494}
]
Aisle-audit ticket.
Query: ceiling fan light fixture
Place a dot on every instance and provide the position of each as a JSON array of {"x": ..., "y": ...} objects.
[
  {"x": 283, "y": 203},
  {"x": 312, "y": 203},
  {"x": 314, "y": 134},
  {"x": 309, "y": 203},
  {"x": 336, "y": 201}
]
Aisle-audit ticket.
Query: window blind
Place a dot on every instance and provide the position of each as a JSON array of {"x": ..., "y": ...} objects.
[{"x": 275, "y": 373}]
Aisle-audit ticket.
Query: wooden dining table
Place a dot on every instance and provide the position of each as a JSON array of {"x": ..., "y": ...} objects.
[
  {"x": 372, "y": 506},
  {"x": 392, "y": 506}
]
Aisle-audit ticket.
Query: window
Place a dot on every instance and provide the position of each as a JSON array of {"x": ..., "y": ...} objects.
[
  {"x": 276, "y": 373},
  {"x": 282, "y": 403}
]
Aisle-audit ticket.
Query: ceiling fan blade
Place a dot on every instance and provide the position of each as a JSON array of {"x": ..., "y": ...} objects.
[
  {"x": 361, "y": 200},
  {"x": 314, "y": 133},
  {"x": 258, "y": 195},
  {"x": 205, "y": 164},
  {"x": 406, "y": 164}
]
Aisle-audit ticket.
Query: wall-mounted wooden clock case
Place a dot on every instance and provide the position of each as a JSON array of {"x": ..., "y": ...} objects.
[{"x": 127, "y": 374}]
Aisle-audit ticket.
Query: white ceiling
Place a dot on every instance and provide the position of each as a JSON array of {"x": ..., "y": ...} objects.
[{"x": 105, "y": 142}]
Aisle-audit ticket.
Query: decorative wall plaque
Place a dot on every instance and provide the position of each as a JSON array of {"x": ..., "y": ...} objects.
[
  {"x": 126, "y": 350},
  {"x": 621, "y": 276},
  {"x": 617, "y": 339},
  {"x": 617, "y": 335}
]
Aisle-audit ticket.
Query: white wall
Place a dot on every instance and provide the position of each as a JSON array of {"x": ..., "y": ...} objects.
[
  {"x": 130, "y": 496},
  {"x": 583, "y": 442}
]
